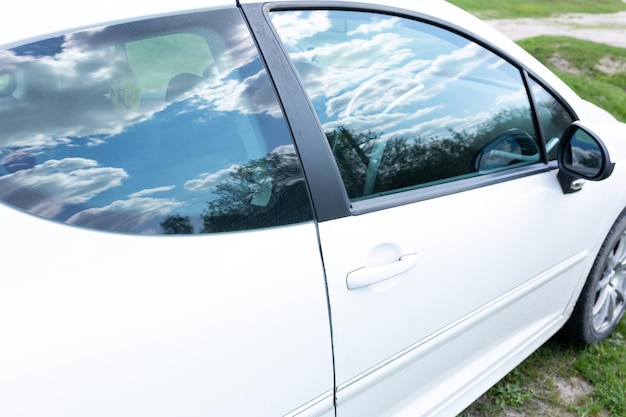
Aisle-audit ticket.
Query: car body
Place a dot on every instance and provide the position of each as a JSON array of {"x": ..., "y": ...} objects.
[{"x": 291, "y": 208}]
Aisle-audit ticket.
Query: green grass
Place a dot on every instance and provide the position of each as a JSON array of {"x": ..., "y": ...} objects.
[
  {"x": 596, "y": 72},
  {"x": 506, "y": 9},
  {"x": 536, "y": 387},
  {"x": 604, "y": 366}
]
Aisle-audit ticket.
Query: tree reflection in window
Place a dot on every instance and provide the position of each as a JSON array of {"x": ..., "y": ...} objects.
[
  {"x": 411, "y": 162},
  {"x": 266, "y": 192},
  {"x": 176, "y": 224}
]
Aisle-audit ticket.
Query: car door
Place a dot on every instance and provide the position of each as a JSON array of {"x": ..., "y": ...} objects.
[
  {"x": 454, "y": 255},
  {"x": 160, "y": 255}
]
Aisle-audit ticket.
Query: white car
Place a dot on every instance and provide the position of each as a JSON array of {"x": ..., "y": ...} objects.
[{"x": 293, "y": 208}]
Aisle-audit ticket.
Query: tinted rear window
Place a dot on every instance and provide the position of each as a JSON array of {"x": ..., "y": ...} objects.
[{"x": 161, "y": 126}]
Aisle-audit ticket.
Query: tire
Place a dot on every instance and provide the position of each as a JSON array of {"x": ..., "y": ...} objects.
[{"x": 602, "y": 301}]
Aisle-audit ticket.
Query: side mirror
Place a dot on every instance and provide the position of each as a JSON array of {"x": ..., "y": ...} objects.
[{"x": 582, "y": 155}]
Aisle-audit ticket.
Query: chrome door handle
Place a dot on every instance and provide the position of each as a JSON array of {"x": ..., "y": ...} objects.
[{"x": 370, "y": 275}]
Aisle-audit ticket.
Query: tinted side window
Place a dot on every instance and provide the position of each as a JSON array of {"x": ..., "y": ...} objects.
[
  {"x": 162, "y": 126},
  {"x": 553, "y": 117},
  {"x": 405, "y": 104}
]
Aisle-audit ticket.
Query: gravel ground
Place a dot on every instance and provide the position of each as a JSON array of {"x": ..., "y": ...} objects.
[{"x": 601, "y": 28}]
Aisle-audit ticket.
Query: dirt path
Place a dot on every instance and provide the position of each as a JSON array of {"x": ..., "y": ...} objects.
[{"x": 602, "y": 28}]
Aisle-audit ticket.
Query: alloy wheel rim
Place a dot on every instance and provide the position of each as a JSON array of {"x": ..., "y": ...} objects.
[{"x": 610, "y": 298}]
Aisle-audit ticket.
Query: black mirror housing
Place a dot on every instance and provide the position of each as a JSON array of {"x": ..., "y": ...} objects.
[{"x": 582, "y": 155}]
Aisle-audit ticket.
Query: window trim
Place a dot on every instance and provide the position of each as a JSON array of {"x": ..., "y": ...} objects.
[
  {"x": 541, "y": 137},
  {"x": 441, "y": 190},
  {"x": 328, "y": 194},
  {"x": 530, "y": 78}
]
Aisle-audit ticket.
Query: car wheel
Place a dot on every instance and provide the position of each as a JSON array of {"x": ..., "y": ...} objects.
[{"x": 603, "y": 299}]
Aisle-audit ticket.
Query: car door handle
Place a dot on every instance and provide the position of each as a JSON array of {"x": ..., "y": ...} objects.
[{"x": 370, "y": 275}]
